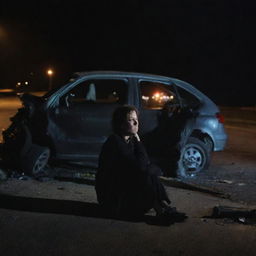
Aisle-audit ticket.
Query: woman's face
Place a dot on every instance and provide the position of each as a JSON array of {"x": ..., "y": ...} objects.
[{"x": 132, "y": 124}]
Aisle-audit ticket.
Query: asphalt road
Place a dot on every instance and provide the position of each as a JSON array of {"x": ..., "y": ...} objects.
[
  {"x": 8, "y": 107},
  {"x": 62, "y": 218}
]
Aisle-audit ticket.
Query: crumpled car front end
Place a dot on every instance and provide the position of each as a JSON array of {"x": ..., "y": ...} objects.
[{"x": 17, "y": 138}]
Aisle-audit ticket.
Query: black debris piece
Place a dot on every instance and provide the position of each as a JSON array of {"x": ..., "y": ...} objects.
[{"x": 237, "y": 214}]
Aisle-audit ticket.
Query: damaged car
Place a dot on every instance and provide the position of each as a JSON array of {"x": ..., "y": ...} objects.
[{"x": 72, "y": 122}]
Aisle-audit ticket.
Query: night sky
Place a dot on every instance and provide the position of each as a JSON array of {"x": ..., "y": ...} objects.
[{"x": 209, "y": 43}]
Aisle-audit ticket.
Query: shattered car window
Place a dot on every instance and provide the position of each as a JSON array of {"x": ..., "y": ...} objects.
[{"x": 51, "y": 92}]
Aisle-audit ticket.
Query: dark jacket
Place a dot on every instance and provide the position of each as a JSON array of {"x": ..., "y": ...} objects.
[{"x": 126, "y": 181}]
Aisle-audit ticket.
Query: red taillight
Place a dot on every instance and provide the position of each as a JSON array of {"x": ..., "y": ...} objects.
[{"x": 220, "y": 117}]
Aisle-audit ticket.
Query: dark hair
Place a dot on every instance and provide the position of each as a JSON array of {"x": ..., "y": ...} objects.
[{"x": 120, "y": 117}]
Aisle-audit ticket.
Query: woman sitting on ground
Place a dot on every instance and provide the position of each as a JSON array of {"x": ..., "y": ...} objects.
[{"x": 127, "y": 184}]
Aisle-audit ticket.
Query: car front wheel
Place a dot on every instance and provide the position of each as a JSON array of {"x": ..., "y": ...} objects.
[
  {"x": 35, "y": 159},
  {"x": 194, "y": 158}
]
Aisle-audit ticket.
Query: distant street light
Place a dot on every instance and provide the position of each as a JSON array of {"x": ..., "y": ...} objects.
[{"x": 50, "y": 74}]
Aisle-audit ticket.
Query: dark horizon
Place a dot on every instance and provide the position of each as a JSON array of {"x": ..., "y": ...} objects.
[{"x": 209, "y": 44}]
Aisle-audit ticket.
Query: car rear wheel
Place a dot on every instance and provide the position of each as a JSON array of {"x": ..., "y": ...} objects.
[
  {"x": 35, "y": 160},
  {"x": 194, "y": 158}
]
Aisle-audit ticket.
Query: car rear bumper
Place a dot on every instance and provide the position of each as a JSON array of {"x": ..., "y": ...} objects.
[{"x": 220, "y": 144}]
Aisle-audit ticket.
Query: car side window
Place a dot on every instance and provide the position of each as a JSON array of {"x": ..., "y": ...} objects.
[
  {"x": 154, "y": 95},
  {"x": 98, "y": 91}
]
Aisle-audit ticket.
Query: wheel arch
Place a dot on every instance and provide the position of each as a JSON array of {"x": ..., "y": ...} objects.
[{"x": 204, "y": 137}]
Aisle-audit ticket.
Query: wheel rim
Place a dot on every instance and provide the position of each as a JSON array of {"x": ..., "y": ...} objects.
[
  {"x": 41, "y": 162},
  {"x": 193, "y": 160}
]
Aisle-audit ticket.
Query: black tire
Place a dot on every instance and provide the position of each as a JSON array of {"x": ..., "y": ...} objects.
[
  {"x": 209, "y": 144},
  {"x": 35, "y": 160},
  {"x": 194, "y": 158}
]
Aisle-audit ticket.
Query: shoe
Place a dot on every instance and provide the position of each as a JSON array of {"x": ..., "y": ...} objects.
[
  {"x": 170, "y": 215},
  {"x": 169, "y": 210}
]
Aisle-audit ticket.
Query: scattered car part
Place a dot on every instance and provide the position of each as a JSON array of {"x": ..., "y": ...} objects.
[{"x": 241, "y": 215}]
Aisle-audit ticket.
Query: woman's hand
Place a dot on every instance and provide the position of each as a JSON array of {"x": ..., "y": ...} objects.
[{"x": 137, "y": 136}]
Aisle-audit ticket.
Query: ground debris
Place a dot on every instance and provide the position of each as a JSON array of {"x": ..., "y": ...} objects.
[
  {"x": 185, "y": 184},
  {"x": 19, "y": 176},
  {"x": 235, "y": 214},
  {"x": 241, "y": 184},
  {"x": 225, "y": 181}
]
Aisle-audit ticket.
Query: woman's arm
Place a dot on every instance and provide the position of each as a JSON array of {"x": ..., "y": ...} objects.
[{"x": 132, "y": 155}]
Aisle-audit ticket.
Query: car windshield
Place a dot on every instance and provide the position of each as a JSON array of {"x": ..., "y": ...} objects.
[
  {"x": 51, "y": 92},
  {"x": 70, "y": 80}
]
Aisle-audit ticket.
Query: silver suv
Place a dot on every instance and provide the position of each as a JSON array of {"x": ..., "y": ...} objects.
[{"x": 177, "y": 122}]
